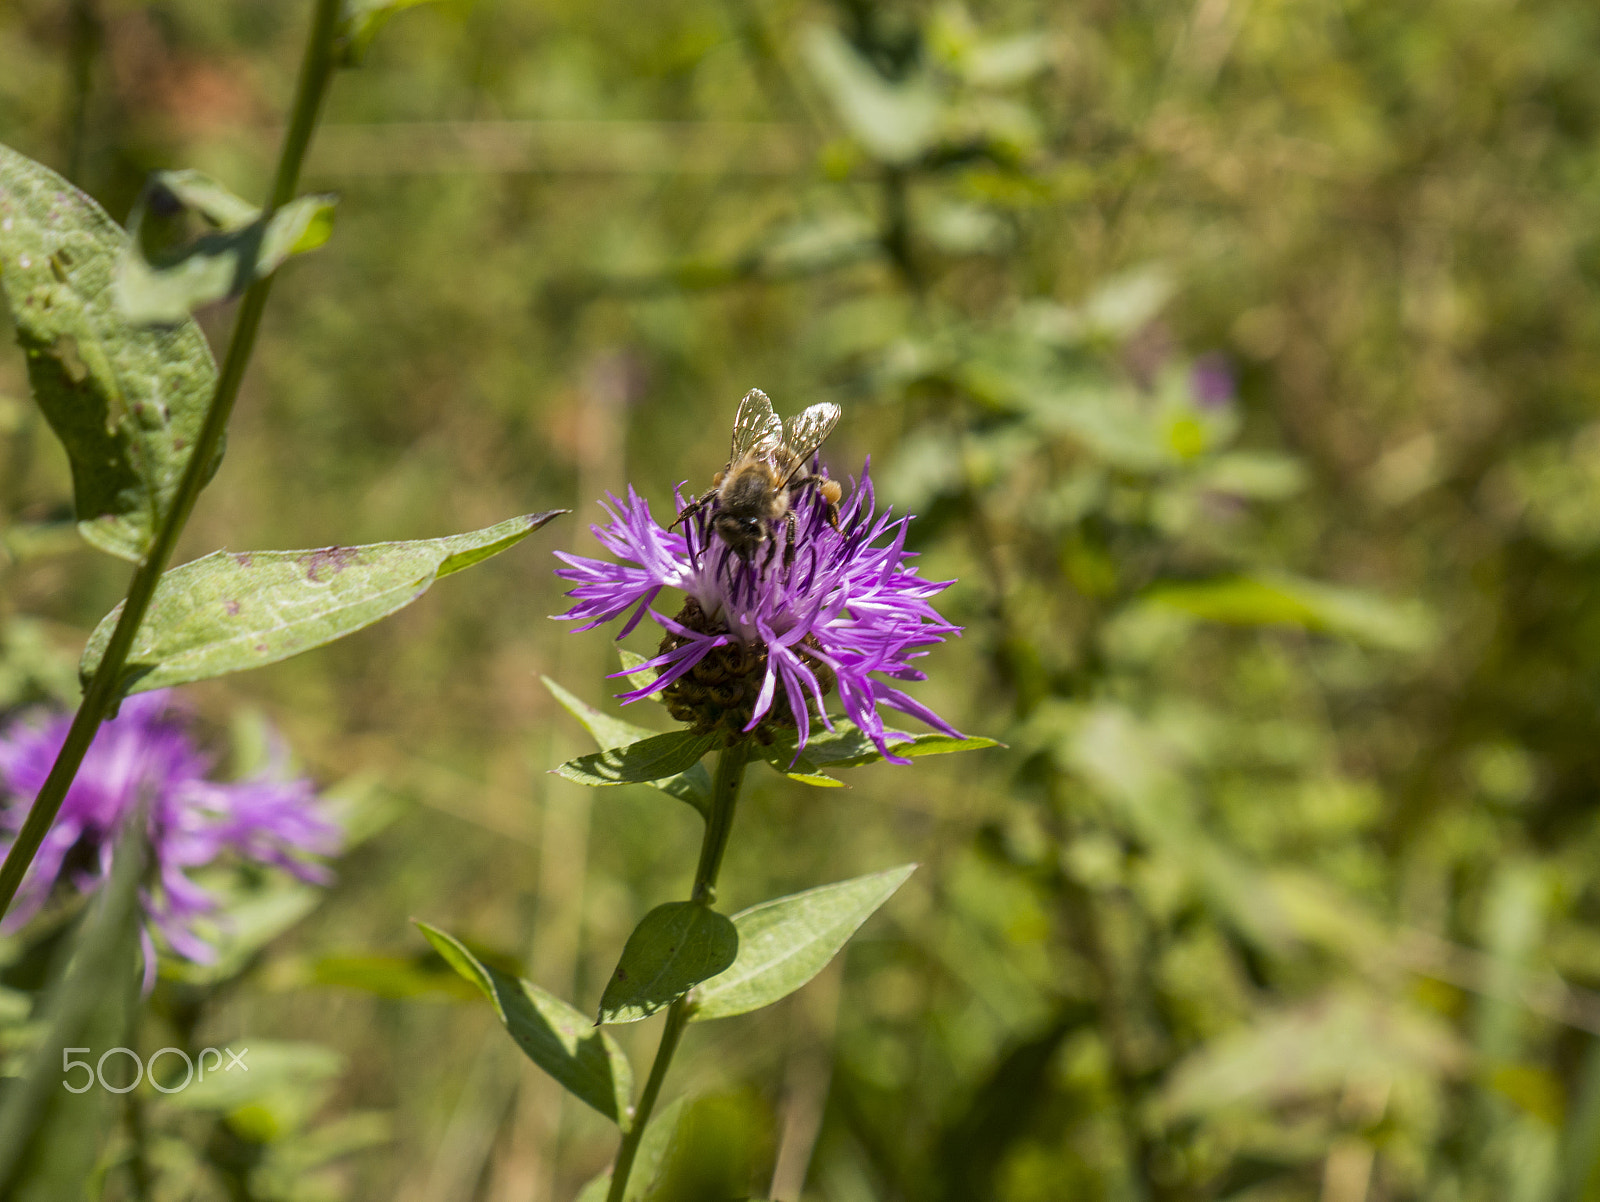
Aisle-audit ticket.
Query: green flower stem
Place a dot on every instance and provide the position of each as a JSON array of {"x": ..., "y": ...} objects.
[
  {"x": 104, "y": 690},
  {"x": 724, "y": 801}
]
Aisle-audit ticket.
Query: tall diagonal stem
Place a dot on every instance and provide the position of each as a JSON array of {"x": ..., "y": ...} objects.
[
  {"x": 719, "y": 824},
  {"x": 100, "y": 697}
]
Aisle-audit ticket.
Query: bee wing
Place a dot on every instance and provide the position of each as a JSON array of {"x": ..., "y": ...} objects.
[
  {"x": 808, "y": 430},
  {"x": 755, "y": 427}
]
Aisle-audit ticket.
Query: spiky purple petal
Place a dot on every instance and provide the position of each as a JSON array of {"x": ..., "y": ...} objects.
[{"x": 850, "y": 595}]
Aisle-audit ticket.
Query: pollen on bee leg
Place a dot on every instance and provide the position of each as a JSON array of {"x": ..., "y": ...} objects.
[{"x": 831, "y": 492}]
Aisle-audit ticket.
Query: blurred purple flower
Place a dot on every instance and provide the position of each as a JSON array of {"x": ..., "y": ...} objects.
[
  {"x": 146, "y": 753},
  {"x": 1212, "y": 380},
  {"x": 847, "y": 608}
]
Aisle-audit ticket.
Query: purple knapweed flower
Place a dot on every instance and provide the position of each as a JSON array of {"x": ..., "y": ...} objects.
[
  {"x": 146, "y": 753},
  {"x": 759, "y": 643}
]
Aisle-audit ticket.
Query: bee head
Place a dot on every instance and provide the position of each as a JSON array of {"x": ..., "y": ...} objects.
[{"x": 743, "y": 535}]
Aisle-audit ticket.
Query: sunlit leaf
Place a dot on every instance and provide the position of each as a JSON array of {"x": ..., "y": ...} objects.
[
  {"x": 780, "y": 757},
  {"x": 692, "y": 785},
  {"x": 230, "y": 611},
  {"x": 555, "y": 1036},
  {"x": 126, "y": 402},
  {"x": 242, "y": 246},
  {"x": 641, "y": 763},
  {"x": 633, "y": 664},
  {"x": 847, "y": 747},
  {"x": 785, "y": 942},
  {"x": 674, "y": 948}
]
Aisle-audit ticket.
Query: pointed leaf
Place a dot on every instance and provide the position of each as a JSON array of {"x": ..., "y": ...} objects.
[
  {"x": 674, "y": 948},
  {"x": 817, "y": 780},
  {"x": 785, "y": 942},
  {"x": 42, "y": 1125},
  {"x": 126, "y": 402},
  {"x": 230, "y": 611},
  {"x": 847, "y": 747},
  {"x": 244, "y": 246},
  {"x": 801, "y": 768},
  {"x": 638, "y": 675},
  {"x": 692, "y": 785},
  {"x": 607, "y": 731},
  {"x": 555, "y": 1036},
  {"x": 943, "y": 745},
  {"x": 641, "y": 763}
]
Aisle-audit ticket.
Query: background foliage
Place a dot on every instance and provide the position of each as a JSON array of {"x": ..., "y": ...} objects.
[{"x": 1240, "y": 359}]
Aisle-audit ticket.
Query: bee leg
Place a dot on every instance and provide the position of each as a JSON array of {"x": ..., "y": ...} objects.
[
  {"x": 772, "y": 551},
  {"x": 791, "y": 530},
  {"x": 689, "y": 510},
  {"x": 828, "y": 490}
]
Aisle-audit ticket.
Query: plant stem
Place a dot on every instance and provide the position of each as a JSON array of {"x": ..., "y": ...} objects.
[
  {"x": 719, "y": 824},
  {"x": 84, "y": 34},
  {"x": 104, "y": 689},
  {"x": 724, "y": 800}
]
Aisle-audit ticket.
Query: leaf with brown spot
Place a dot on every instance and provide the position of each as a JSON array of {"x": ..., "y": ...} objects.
[
  {"x": 125, "y": 402},
  {"x": 228, "y": 612}
]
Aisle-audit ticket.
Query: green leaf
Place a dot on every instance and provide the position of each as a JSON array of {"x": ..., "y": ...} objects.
[
  {"x": 692, "y": 785},
  {"x": 632, "y": 663},
  {"x": 125, "y": 402},
  {"x": 555, "y": 1036},
  {"x": 641, "y": 763},
  {"x": 782, "y": 760},
  {"x": 817, "y": 780},
  {"x": 658, "y": 1144},
  {"x": 244, "y": 246},
  {"x": 230, "y": 611},
  {"x": 785, "y": 942},
  {"x": 360, "y": 23},
  {"x": 943, "y": 745},
  {"x": 47, "y": 1134},
  {"x": 607, "y": 731},
  {"x": 847, "y": 747},
  {"x": 674, "y": 948}
]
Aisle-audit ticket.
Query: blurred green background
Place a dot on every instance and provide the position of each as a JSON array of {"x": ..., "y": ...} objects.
[{"x": 1241, "y": 360}]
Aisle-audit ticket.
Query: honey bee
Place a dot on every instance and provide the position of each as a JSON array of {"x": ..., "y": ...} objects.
[{"x": 767, "y": 467}]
